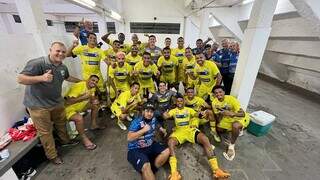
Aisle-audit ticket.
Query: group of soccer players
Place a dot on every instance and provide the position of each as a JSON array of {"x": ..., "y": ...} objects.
[{"x": 144, "y": 86}]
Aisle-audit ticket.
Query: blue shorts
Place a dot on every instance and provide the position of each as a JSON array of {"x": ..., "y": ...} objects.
[{"x": 138, "y": 157}]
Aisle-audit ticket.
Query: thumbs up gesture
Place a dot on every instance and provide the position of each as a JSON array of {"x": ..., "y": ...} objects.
[
  {"x": 75, "y": 43},
  {"x": 47, "y": 77}
]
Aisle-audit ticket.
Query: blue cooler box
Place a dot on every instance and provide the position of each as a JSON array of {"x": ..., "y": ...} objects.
[{"x": 260, "y": 123}]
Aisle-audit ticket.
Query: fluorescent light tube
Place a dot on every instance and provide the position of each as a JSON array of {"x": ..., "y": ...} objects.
[
  {"x": 115, "y": 15},
  {"x": 88, "y": 3},
  {"x": 247, "y": 2}
]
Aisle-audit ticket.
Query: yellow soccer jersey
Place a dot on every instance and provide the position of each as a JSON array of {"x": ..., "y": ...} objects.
[
  {"x": 125, "y": 99},
  {"x": 182, "y": 117},
  {"x": 229, "y": 103},
  {"x": 207, "y": 73},
  {"x": 168, "y": 67},
  {"x": 179, "y": 54},
  {"x": 145, "y": 73},
  {"x": 75, "y": 91},
  {"x": 232, "y": 104},
  {"x": 123, "y": 47},
  {"x": 90, "y": 59},
  {"x": 141, "y": 48},
  {"x": 110, "y": 54},
  {"x": 188, "y": 66},
  {"x": 196, "y": 103},
  {"x": 120, "y": 74},
  {"x": 132, "y": 61}
]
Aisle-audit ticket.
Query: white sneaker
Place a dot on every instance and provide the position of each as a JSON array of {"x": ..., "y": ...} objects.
[
  {"x": 129, "y": 118},
  {"x": 112, "y": 116},
  {"x": 121, "y": 125}
]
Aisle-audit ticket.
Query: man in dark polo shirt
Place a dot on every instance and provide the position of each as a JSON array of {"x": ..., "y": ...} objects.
[{"x": 43, "y": 78}]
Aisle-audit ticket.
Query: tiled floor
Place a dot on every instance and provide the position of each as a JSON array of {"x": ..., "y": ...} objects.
[{"x": 291, "y": 150}]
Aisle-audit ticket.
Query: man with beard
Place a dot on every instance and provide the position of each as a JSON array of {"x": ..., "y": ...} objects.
[
  {"x": 121, "y": 38},
  {"x": 186, "y": 131},
  {"x": 168, "y": 66},
  {"x": 125, "y": 104},
  {"x": 145, "y": 155},
  {"x": 80, "y": 97}
]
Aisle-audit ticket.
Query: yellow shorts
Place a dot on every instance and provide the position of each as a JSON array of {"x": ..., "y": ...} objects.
[
  {"x": 70, "y": 111},
  {"x": 181, "y": 74},
  {"x": 199, "y": 121},
  {"x": 116, "y": 110},
  {"x": 185, "y": 134},
  {"x": 168, "y": 79},
  {"x": 150, "y": 87},
  {"x": 122, "y": 88},
  {"x": 226, "y": 123},
  {"x": 204, "y": 90}
]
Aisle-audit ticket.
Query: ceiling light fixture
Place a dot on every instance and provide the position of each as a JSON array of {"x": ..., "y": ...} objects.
[
  {"x": 88, "y": 3},
  {"x": 115, "y": 15}
]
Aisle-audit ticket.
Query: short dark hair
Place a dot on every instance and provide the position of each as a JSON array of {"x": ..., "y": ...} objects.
[
  {"x": 152, "y": 36},
  {"x": 166, "y": 48},
  {"x": 167, "y": 38},
  {"x": 199, "y": 52},
  {"x": 189, "y": 88},
  {"x": 218, "y": 87},
  {"x": 116, "y": 41},
  {"x": 135, "y": 83},
  {"x": 93, "y": 75},
  {"x": 199, "y": 40},
  {"x": 162, "y": 82},
  {"x": 180, "y": 37},
  {"x": 146, "y": 53},
  {"x": 91, "y": 33},
  {"x": 179, "y": 95},
  {"x": 188, "y": 48}
]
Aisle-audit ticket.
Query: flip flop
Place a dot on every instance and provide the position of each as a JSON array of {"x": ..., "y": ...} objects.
[{"x": 90, "y": 147}]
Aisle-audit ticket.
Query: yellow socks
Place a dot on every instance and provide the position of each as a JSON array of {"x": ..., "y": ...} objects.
[
  {"x": 173, "y": 163},
  {"x": 214, "y": 163},
  {"x": 213, "y": 126}
]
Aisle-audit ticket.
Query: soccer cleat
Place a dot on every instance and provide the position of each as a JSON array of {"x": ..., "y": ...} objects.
[
  {"x": 174, "y": 176},
  {"x": 121, "y": 125},
  {"x": 219, "y": 173}
]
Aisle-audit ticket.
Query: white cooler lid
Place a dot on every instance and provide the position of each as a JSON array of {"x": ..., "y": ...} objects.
[{"x": 262, "y": 118}]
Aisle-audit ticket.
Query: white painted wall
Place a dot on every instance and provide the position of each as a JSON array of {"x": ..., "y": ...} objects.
[
  {"x": 19, "y": 48},
  {"x": 165, "y": 11},
  {"x": 292, "y": 54}
]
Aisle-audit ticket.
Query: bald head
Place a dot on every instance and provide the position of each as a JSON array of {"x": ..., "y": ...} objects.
[{"x": 120, "y": 57}]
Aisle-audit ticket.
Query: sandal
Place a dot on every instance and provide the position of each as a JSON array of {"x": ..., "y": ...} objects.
[{"x": 90, "y": 147}]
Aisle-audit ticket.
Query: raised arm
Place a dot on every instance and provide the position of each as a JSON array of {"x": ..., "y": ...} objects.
[
  {"x": 105, "y": 37},
  {"x": 75, "y": 43}
]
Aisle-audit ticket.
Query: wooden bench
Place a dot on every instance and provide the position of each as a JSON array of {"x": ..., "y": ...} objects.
[{"x": 17, "y": 150}]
